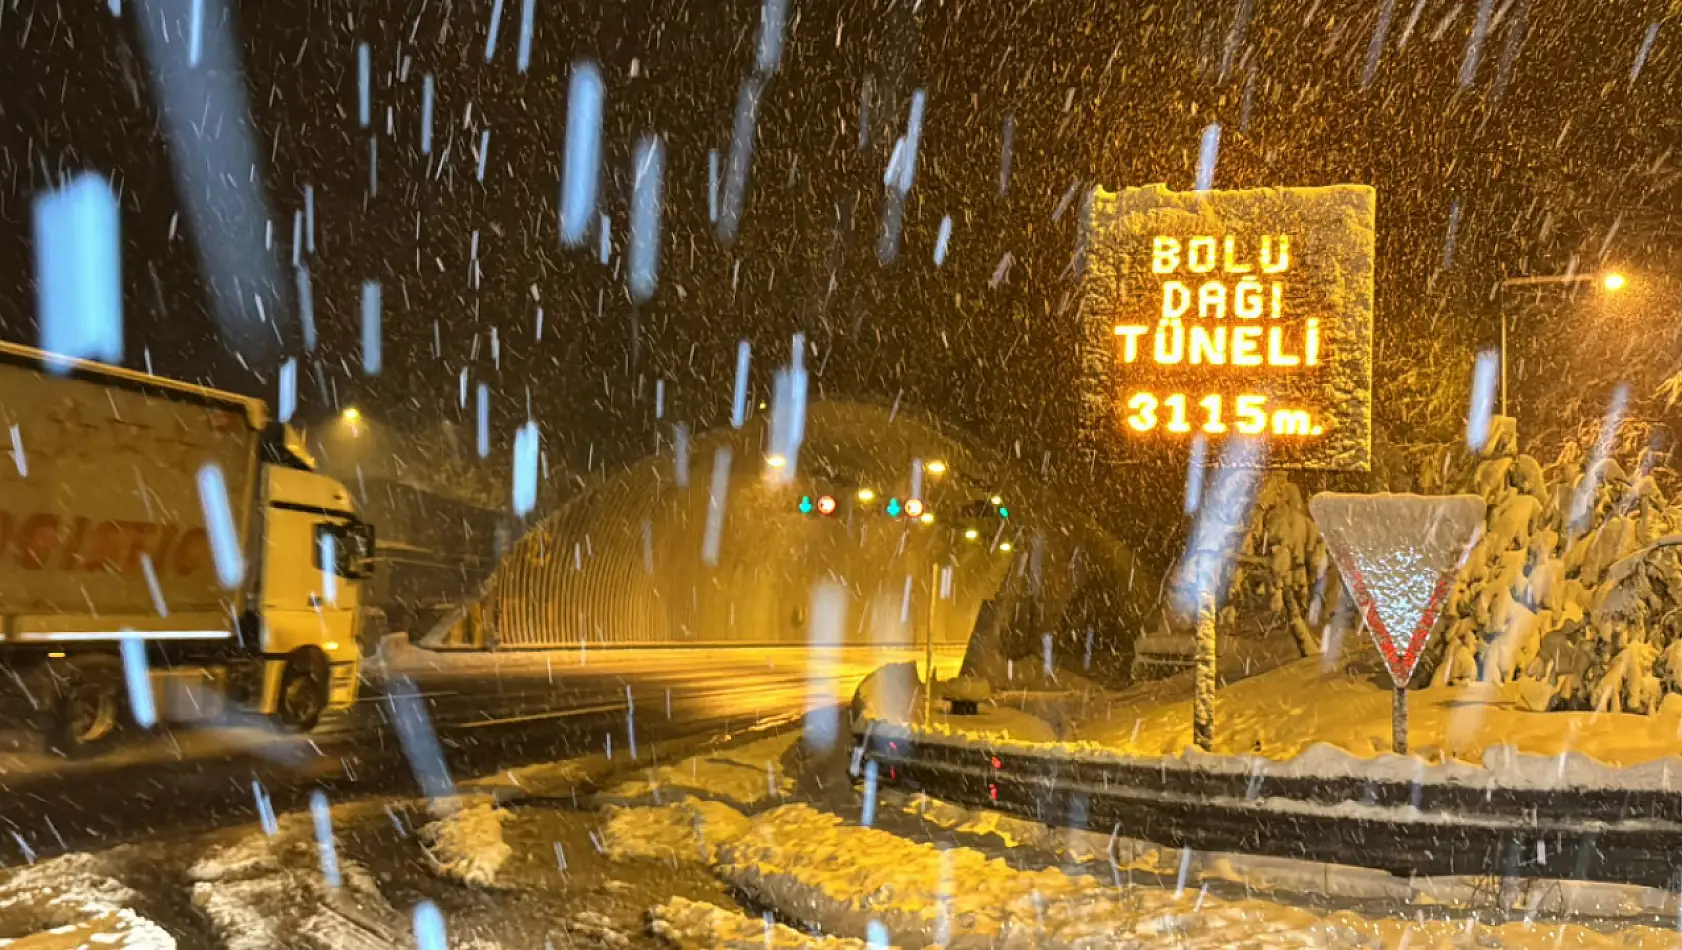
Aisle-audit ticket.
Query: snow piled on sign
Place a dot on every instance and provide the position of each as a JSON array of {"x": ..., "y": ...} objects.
[{"x": 1398, "y": 553}]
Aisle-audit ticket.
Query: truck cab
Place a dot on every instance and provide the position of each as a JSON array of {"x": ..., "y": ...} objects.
[{"x": 309, "y": 607}]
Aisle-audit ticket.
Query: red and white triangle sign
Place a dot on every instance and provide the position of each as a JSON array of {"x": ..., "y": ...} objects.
[{"x": 1399, "y": 555}]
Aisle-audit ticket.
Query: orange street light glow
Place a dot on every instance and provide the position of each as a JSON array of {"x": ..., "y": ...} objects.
[{"x": 1614, "y": 281}]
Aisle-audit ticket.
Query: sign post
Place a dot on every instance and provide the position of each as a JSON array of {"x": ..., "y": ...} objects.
[
  {"x": 1399, "y": 555},
  {"x": 1203, "y": 684}
]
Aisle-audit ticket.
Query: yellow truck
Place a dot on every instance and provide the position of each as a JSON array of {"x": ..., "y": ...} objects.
[{"x": 167, "y": 553}]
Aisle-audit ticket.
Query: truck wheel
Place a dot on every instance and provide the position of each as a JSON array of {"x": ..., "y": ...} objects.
[
  {"x": 90, "y": 705},
  {"x": 303, "y": 690}
]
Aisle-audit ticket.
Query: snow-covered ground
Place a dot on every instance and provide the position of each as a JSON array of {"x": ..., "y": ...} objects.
[
  {"x": 75, "y": 901},
  {"x": 744, "y": 775},
  {"x": 852, "y": 881},
  {"x": 1289, "y": 876},
  {"x": 694, "y": 854},
  {"x": 694, "y": 925},
  {"x": 1346, "y": 703},
  {"x": 1332, "y": 718}
]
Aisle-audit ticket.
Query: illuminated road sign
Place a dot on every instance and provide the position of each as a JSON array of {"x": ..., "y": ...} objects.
[{"x": 1228, "y": 313}]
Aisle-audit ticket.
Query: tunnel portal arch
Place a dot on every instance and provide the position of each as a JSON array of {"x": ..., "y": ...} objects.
[{"x": 706, "y": 544}]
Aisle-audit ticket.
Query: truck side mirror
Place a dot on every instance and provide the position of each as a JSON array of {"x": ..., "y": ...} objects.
[{"x": 357, "y": 550}]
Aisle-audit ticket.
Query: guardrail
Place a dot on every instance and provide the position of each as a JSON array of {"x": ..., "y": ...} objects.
[{"x": 1406, "y": 828}]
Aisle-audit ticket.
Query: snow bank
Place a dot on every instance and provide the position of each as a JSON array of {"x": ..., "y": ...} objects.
[
  {"x": 693, "y": 925},
  {"x": 74, "y": 901},
  {"x": 1072, "y": 844},
  {"x": 265, "y": 892},
  {"x": 1294, "y": 876},
  {"x": 840, "y": 878},
  {"x": 889, "y": 693},
  {"x": 600, "y": 930},
  {"x": 686, "y": 831},
  {"x": 465, "y": 844}
]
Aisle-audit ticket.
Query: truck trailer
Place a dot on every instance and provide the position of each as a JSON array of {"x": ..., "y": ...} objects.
[{"x": 167, "y": 553}]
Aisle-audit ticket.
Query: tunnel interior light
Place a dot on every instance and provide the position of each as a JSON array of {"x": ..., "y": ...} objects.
[
  {"x": 826, "y": 505},
  {"x": 927, "y": 518},
  {"x": 971, "y": 534},
  {"x": 913, "y": 507},
  {"x": 894, "y": 508},
  {"x": 1004, "y": 546},
  {"x": 805, "y": 504},
  {"x": 866, "y": 496}
]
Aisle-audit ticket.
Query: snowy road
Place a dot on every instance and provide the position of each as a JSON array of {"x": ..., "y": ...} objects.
[
  {"x": 760, "y": 841},
  {"x": 488, "y": 711}
]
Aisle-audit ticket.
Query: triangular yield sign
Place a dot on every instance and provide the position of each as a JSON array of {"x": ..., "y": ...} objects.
[{"x": 1398, "y": 555}]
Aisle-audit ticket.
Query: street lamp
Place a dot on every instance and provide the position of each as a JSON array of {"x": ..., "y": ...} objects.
[{"x": 1611, "y": 281}]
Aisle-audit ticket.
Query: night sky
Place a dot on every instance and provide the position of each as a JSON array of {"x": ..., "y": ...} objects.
[{"x": 1543, "y": 143}]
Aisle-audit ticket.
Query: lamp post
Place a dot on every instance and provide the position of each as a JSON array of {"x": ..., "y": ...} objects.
[{"x": 1610, "y": 281}]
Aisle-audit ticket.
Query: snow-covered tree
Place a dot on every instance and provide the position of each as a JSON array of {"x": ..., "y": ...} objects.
[
  {"x": 1283, "y": 563},
  {"x": 1565, "y": 590}
]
